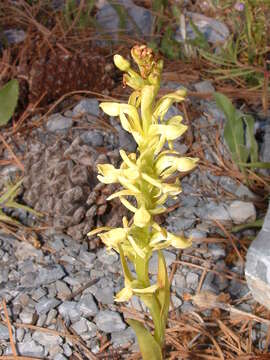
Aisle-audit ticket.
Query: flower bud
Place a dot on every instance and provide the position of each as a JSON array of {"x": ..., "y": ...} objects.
[{"x": 121, "y": 63}]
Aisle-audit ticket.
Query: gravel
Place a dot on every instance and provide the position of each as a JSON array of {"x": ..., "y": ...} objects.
[{"x": 40, "y": 287}]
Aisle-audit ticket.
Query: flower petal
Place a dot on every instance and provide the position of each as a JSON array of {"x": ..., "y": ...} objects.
[
  {"x": 179, "y": 242},
  {"x": 110, "y": 108},
  {"x": 124, "y": 295},
  {"x": 142, "y": 217}
]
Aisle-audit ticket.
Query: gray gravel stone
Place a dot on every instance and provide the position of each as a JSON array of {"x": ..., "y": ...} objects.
[
  {"x": 92, "y": 329},
  {"x": 107, "y": 258},
  {"x": 123, "y": 338},
  {"x": 216, "y": 251},
  {"x": 47, "y": 339},
  {"x": 19, "y": 334},
  {"x": 109, "y": 321},
  {"x": 27, "y": 316},
  {"x": 57, "y": 122},
  {"x": 87, "y": 258},
  {"x": 41, "y": 320},
  {"x": 37, "y": 294},
  {"x": 204, "y": 87},
  {"x": 4, "y": 332},
  {"x": 59, "y": 357},
  {"x": 45, "y": 305},
  {"x": 63, "y": 291},
  {"x": 29, "y": 348},
  {"x": 208, "y": 283},
  {"x": 179, "y": 281},
  {"x": 242, "y": 212},
  {"x": 80, "y": 326},
  {"x": 69, "y": 310},
  {"x": 87, "y": 306},
  {"x": 92, "y": 138},
  {"x": 177, "y": 302},
  {"x": 49, "y": 274},
  {"x": 104, "y": 295},
  {"x": 213, "y": 211},
  {"x": 67, "y": 350},
  {"x": 153, "y": 263},
  {"x": 87, "y": 106},
  {"x": 192, "y": 280}
]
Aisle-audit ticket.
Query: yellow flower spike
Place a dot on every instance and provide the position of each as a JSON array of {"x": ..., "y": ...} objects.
[
  {"x": 142, "y": 217},
  {"x": 142, "y": 175},
  {"x": 121, "y": 63}
]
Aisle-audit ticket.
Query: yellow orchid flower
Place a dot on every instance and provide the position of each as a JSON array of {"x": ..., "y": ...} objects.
[
  {"x": 126, "y": 293},
  {"x": 145, "y": 190},
  {"x": 161, "y": 240}
]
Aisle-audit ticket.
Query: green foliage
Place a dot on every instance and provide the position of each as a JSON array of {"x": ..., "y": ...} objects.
[
  {"x": 7, "y": 200},
  {"x": 244, "y": 149},
  {"x": 77, "y": 14},
  {"x": 148, "y": 345},
  {"x": 244, "y": 54},
  {"x": 9, "y": 95}
]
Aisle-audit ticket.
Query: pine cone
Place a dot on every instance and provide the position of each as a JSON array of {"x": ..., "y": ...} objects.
[
  {"x": 57, "y": 74},
  {"x": 61, "y": 182}
]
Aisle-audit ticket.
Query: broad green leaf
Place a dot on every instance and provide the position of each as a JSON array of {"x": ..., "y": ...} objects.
[
  {"x": 233, "y": 130},
  {"x": 225, "y": 105},
  {"x": 251, "y": 138},
  {"x": 150, "y": 349},
  {"x": 9, "y": 94}
]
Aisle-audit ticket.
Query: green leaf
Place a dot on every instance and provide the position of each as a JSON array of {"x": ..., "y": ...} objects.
[
  {"x": 252, "y": 141},
  {"x": 258, "y": 165},
  {"x": 9, "y": 94},
  {"x": 233, "y": 130},
  {"x": 150, "y": 349},
  {"x": 163, "y": 292},
  {"x": 7, "y": 219}
]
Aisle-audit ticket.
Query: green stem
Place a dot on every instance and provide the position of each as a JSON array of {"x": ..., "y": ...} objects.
[{"x": 151, "y": 301}]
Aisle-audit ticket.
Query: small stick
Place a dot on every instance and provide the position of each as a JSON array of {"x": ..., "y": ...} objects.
[
  {"x": 81, "y": 289},
  {"x": 20, "y": 165},
  {"x": 13, "y": 347}
]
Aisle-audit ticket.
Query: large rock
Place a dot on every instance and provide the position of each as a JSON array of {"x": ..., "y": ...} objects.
[
  {"x": 136, "y": 19},
  {"x": 214, "y": 31},
  {"x": 258, "y": 264}
]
